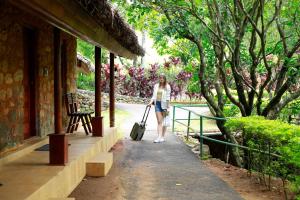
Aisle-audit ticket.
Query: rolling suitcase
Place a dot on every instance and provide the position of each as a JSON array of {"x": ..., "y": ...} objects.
[{"x": 138, "y": 128}]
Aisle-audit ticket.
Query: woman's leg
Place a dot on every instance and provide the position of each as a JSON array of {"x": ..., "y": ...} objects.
[
  {"x": 159, "y": 118},
  {"x": 164, "y": 129}
]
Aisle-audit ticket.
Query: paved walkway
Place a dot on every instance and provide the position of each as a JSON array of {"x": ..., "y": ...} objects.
[{"x": 144, "y": 170}]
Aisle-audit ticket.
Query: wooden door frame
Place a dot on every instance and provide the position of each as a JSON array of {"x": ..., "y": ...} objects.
[{"x": 33, "y": 96}]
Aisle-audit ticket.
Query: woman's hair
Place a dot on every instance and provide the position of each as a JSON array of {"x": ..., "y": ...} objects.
[{"x": 164, "y": 84}]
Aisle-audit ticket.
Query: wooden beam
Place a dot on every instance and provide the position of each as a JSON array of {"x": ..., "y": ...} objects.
[
  {"x": 57, "y": 82},
  {"x": 112, "y": 90},
  {"x": 97, "y": 82},
  {"x": 58, "y": 141},
  {"x": 97, "y": 121},
  {"x": 70, "y": 17}
]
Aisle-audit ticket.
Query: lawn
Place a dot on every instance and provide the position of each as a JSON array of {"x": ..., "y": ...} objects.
[
  {"x": 120, "y": 117},
  {"x": 208, "y": 126}
]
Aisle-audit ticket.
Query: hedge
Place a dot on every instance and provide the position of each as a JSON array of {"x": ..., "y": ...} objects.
[{"x": 275, "y": 136}]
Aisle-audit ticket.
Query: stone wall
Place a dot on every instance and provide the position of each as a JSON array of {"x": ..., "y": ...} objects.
[
  {"x": 71, "y": 70},
  {"x": 13, "y": 76},
  {"x": 87, "y": 100}
]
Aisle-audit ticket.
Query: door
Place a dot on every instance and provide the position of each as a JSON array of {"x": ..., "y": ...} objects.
[{"x": 30, "y": 79}]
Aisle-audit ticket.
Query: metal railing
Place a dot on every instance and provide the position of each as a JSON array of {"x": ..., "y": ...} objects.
[
  {"x": 270, "y": 156},
  {"x": 188, "y": 125},
  {"x": 201, "y": 133}
]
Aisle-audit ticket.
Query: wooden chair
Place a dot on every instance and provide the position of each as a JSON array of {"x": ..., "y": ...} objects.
[{"x": 76, "y": 116}]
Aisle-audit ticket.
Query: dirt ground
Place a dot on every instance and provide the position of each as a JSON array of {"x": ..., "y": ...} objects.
[{"x": 248, "y": 187}]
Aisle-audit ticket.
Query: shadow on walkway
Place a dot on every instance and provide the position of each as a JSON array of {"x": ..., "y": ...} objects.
[{"x": 145, "y": 170}]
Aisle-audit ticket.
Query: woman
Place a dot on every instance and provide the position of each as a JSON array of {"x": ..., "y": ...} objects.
[{"x": 161, "y": 100}]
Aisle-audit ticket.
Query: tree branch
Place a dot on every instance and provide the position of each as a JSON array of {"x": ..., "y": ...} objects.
[
  {"x": 286, "y": 101},
  {"x": 276, "y": 99},
  {"x": 228, "y": 93},
  {"x": 193, "y": 13},
  {"x": 241, "y": 6},
  {"x": 284, "y": 67},
  {"x": 282, "y": 36},
  {"x": 277, "y": 6}
]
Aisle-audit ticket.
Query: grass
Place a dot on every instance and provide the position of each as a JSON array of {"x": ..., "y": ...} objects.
[
  {"x": 208, "y": 125},
  {"x": 120, "y": 117}
]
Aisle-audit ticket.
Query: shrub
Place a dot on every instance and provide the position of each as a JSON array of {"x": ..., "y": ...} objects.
[
  {"x": 139, "y": 81},
  {"x": 276, "y": 137}
]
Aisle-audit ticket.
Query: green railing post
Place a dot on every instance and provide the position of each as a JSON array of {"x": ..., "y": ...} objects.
[
  {"x": 201, "y": 137},
  {"x": 173, "y": 124},
  {"x": 269, "y": 162},
  {"x": 188, "y": 127}
]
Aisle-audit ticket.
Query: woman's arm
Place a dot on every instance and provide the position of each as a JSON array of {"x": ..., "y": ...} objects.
[
  {"x": 168, "y": 95},
  {"x": 150, "y": 103},
  {"x": 153, "y": 95}
]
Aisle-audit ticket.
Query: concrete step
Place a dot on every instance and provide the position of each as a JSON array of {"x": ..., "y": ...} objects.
[{"x": 99, "y": 165}]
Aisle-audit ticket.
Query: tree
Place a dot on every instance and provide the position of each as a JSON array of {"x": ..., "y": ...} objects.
[{"x": 248, "y": 46}]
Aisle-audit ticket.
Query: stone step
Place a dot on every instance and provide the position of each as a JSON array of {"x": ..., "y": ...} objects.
[
  {"x": 70, "y": 198},
  {"x": 99, "y": 165}
]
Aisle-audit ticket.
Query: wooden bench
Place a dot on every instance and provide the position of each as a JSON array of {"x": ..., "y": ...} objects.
[
  {"x": 76, "y": 116},
  {"x": 99, "y": 165}
]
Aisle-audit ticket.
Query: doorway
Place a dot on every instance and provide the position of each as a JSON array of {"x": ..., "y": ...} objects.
[{"x": 30, "y": 82}]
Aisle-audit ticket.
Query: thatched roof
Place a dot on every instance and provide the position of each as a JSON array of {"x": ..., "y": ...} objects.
[
  {"x": 94, "y": 21},
  {"x": 84, "y": 65},
  {"x": 109, "y": 19}
]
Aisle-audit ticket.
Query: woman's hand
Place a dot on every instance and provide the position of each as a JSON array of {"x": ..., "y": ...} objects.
[
  {"x": 169, "y": 108},
  {"x": 165, "y": 112},
  {"x": 150, "y": 103}
]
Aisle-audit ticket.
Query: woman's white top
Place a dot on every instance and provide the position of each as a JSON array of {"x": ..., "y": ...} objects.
[{"x": 165, "y": 96}]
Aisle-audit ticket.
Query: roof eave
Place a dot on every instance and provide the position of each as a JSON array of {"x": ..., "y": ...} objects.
[{"x": 70, "y": 17}]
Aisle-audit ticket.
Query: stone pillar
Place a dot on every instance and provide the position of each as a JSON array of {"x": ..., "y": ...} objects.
[
  {"x": 112, "y": 90},
  {"x": 58, "y": 140},
  {"x": 97, "y": 121}
]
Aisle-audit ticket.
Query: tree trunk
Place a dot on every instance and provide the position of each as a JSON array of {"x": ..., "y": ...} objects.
[
  {"x": 234, "y": 155},
  {"x": 216, "y": 150},
  {"x": 134, "y": 63},
  {"x": 143, "y": 46}
]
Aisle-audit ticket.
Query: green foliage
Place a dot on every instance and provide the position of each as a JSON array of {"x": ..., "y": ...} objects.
[
  {"x": 293, "y": 109},
  {"x": 193, "y": 84},
  {"x": 275, "y": 131},
  {"x": 86, "y": 49},
  {"x": 86, "y": 82},
  {"x": 272, "y": 136},
  {"x": 231, "y": 111},
  {"x": 229, "y": 42}
]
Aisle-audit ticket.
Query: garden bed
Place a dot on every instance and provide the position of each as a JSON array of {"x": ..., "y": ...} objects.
[{"x": 247, "y": 186}]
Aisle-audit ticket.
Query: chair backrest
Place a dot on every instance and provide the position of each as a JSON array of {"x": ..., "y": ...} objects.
[
  {"x": 71, "y": 103},
  {"x": 75, "y": 102}
]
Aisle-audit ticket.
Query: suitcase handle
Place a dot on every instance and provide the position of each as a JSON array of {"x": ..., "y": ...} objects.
[{"x": 146, "y": 114}]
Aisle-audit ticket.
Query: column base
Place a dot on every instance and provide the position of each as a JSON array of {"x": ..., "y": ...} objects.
[
  {"x": 58, "y": 149},
  {"x": 97, "y": 125}
]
